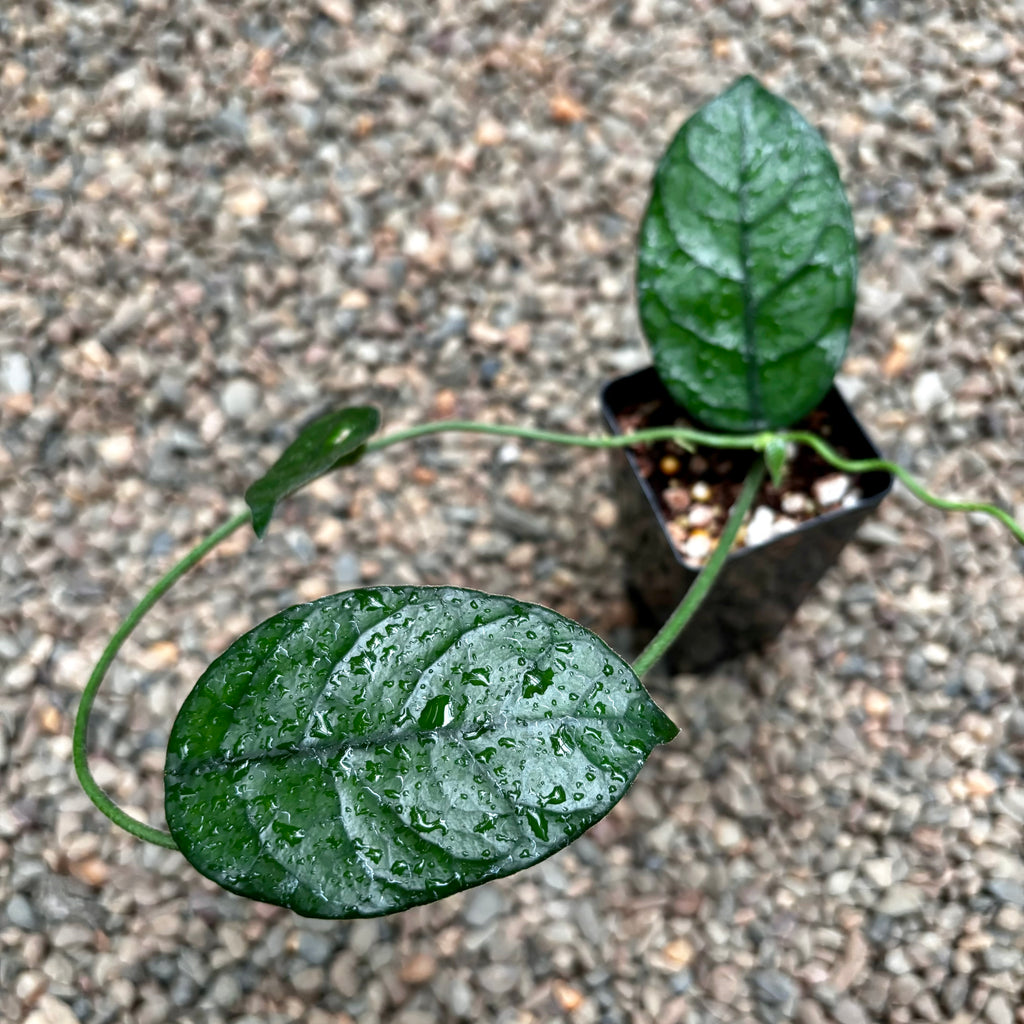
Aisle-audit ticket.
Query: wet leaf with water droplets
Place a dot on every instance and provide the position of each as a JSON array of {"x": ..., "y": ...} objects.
[
  {"x": 385, "y": 747},
  {"x": 328, "y": 442},
  {"x": 747, "y": 264}
]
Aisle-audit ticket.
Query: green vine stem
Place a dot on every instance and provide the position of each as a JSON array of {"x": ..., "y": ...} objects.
[
  {"x": 829, "y": 454},
  {"x": 687, "y": 437},
  {"x": 137, "y": 828},
  {"x": 683, "y": 436},
  {"x": 693, "y": 597}
]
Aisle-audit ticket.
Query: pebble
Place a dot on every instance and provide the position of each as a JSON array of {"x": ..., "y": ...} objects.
[
  {"x": 879, "y": 871},
  {"x": 484, "y": 905},
  {"x": 773, "y": 988},
  {"x": 51, "y": 1010},
  {"x": 698, "y": 546},
  {"x": 724, "y": 984},
  {"x": 15, "y": 373},
  {"x": 679, "y": 952},
  {"x": 954, "y": 993},
  {"x": 896, "y": 961},
  {"x": 830, "y": 490},
  {"x": 760, "y": 529},
  {"x": 568, "y": 998},
  {"x": 728, "y": 834},
  {"x": 347, "y": 571},
  {"x": 928, "y": 391},
  {"x": 998, "y": 1009},
  {"x": 93, "y": 871},
  {"x": 901, "y": 899},
  {"x": 1007, "y": 890},
  {"x": 314, "y": 948},
  {"x": 1002, "y": 958},
  {"x": 240, "y": 399},
  {"x": 20, "y": 913},
  {"x": 418, "y": 969},
  {"x": 701, "y": 517},
  {"x": 847, "y": 1011}
]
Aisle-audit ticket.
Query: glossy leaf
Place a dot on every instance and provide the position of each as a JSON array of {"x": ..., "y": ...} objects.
[
  {"x": 385, "y": 747},
  {"x": 747, "y": 265},
  {"x": 328, "y": 442}
]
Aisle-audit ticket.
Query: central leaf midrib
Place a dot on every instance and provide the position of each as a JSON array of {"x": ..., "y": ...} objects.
[
  {"x": 380, "y": 738},
  {"x": 750, "y": 360}
]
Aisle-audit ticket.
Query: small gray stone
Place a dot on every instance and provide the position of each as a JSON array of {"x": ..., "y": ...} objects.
[
  {"x": 170, "y": 388},
  {"x": 51, "y": 1010},
  {"x": 927, "y": 1008},
  {"x": 346, "y": 569},
  {"x": 954, "y": 993},
  {"x": 878, "y": 870},
  {"x": 896, "y": 961},
  {"x": 998, "y": 1009},
  {"x": 846, "y": 1011},
  {"x": 724, "y": 984},
  {"x": 1007, "y": 890},
  {"x": 905, "y": 989},
  {"x": 240, "y": 398},
  {"x": 1002, "y": 958},
  {"x": 900, "y": 900},
  {"x": 15, "y": 373},
  {"x": 839, "y": 882},
  {"x": 309, "y": 981},
  {"x": 183, "y": 991},
  {"x": 314, "y": 948},
  {"x": 809, "y": 1012},
  {"x": 225, "y": 990},
  {"x": 499, "y": 979},
  {"x": 928, "y": 391},
  {"x": 484, "y": 905},
  {"x": 459, "y": 997},
  {"x": 20, "y": 913},
  {"x": 773, "y": 987}
]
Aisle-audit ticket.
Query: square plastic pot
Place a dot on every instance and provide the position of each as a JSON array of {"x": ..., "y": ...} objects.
[{"x": 760, "y": 587}]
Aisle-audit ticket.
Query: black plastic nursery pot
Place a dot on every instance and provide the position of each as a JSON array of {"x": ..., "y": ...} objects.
[{"x": 760, "y": 586}]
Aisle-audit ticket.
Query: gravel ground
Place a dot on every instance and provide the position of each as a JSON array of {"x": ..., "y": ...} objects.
[{"x": 216, "y": 220}]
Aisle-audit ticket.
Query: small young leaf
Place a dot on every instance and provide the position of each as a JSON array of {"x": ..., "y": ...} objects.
[
  {"x": 747, "y": 264},
  {"x": 328, "y": 442},
  {"x": 775, "y": 457},
  {"x": 385, "y": 747}
]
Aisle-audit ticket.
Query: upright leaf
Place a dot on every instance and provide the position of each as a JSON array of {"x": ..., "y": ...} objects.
[
  {"x": 330, "y": 441},
  {"x": 385, "y": 747},
  {"x": 747, "y": 266}
]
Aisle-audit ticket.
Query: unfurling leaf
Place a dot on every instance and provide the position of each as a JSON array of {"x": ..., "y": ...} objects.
[
  {"x": 775, "y": 457},
  {"x": 328, "y": 442},
  {"x": 747, "y": 267},
  {"x": 385, "y": 747}
]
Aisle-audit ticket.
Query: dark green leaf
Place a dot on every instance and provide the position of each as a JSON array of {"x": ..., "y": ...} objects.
[
  {"x": 328, "y": 442},
  {"x": 383, "y": 748},
  {"x": 775, "y": 457},
  {"x": 747, "y": 267}
]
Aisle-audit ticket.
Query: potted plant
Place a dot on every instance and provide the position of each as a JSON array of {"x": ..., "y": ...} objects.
[
  {"x": 387, "y": 746},
  {"x": 746, "y": 281}
]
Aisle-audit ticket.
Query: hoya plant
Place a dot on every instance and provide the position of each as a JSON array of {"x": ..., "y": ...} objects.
[{"x": 388, "y": 746}]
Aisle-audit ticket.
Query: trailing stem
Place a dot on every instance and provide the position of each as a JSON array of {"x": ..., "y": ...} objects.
[
  {"x": 684, "y": 436},
  {"x": 688, "y": 438},
  {"x": 81, "y": 733}
]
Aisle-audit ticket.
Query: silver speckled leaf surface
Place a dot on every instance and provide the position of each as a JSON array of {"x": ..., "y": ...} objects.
[
  {"x": 333, "y": 440},
  {"x": 384, "y": 747},
  {"x": 747, "y": 263}
]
